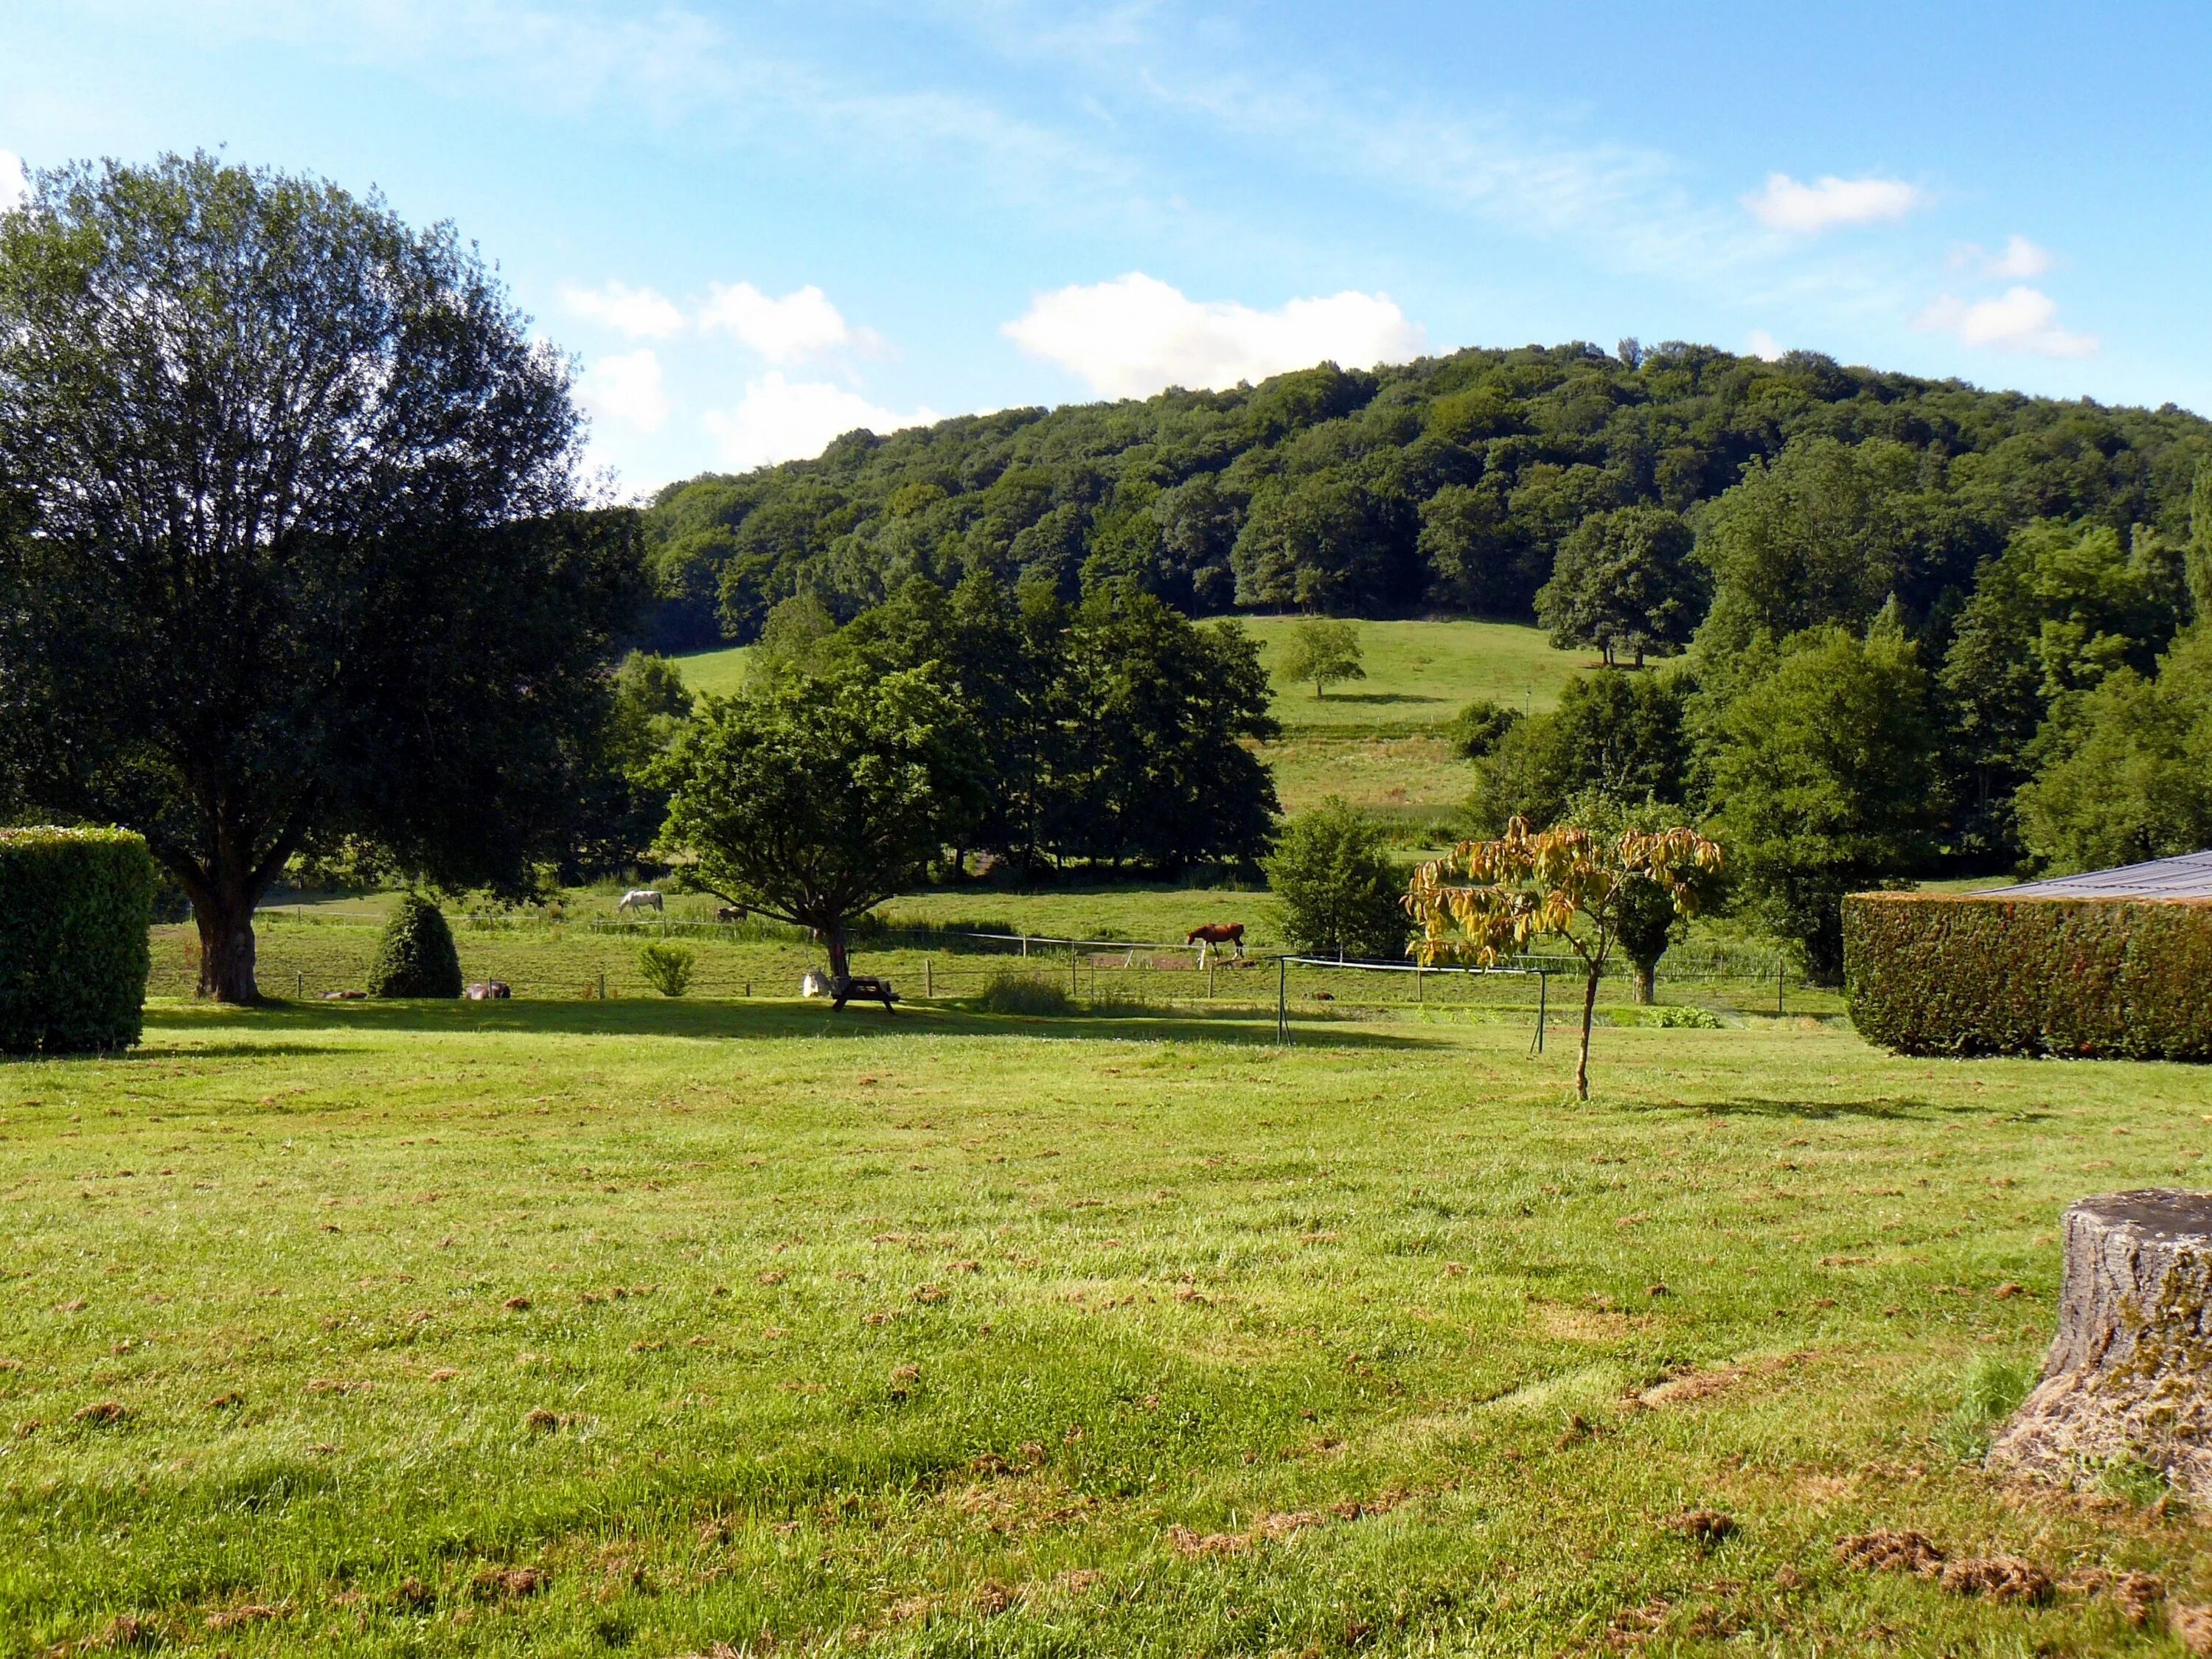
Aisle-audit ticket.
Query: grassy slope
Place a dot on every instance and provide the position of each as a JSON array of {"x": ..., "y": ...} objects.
[
  {"x": 1372, "y": 741},
  {"x": 863, "y": 1340}
]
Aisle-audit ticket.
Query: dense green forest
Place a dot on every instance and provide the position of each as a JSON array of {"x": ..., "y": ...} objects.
[
  {"x": 1900, "y": 627},
  {"x": 1448, "y": 484}
]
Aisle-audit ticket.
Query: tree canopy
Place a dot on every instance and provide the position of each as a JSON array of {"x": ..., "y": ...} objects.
[
  {"x": 1451, "y": 482},
  {"x": 292, "y": 545}
]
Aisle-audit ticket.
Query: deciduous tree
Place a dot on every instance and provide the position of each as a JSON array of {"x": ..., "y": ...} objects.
[
  {"x": 1325, "y": 651},
  {"x": 290, "y": 545},
  {"x": 810, "y": 801}
]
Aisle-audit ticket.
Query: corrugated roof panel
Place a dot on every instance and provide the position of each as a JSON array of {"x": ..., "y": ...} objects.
[{"x": 2188, "y": 876}]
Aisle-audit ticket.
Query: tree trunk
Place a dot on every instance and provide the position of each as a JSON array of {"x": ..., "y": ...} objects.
[
  {"x": 833, "y": 936},
  {"x": 2130, "y": 1371},
  {"x": 227, "y": 949},
  {"x": 1589, "y": 1015},
  {"x": 1646, "y": 983}
]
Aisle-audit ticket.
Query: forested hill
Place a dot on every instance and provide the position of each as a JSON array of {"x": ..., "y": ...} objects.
[{"x": 1444, "y": 484}]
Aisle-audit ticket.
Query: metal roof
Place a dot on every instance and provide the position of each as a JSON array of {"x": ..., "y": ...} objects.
[{"x": 2188, "y": 876}]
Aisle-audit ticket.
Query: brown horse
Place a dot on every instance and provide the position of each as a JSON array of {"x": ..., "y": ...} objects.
[{"x": 1216, "y": 934}]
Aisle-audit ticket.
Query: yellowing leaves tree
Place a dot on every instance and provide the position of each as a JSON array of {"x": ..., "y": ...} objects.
[{"x": 1488, "y": 899}]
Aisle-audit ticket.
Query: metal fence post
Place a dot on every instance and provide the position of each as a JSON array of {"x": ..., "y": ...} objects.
[
  {"x": 1543, "y": 1006},
  {"x": 1282, "y": 998},
  {"x": 1778, "y": 1008}
]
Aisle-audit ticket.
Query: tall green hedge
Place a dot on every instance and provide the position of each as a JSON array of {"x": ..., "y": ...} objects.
[
  {"x": 75, "y": 905},
  {"x": 2127, "y": 979}
]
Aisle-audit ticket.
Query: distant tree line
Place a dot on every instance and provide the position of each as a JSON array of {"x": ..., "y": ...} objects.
[{"x": 1466, "y": 483}]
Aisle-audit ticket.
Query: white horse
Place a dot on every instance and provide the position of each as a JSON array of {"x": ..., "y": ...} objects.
[{"x": 640, "y": 898}]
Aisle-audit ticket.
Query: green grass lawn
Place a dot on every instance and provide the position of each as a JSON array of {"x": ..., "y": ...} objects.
[
  {"x": 568, "y": 1327},
  {"x": 1374, "y": 741}
]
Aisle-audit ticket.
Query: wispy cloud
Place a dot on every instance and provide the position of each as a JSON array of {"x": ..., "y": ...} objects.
[
  {"x": 643, "y": 314},
  {"x": 625, "y": 388},
  {"x": 803, "y": 324},
  {"x": 15, "y": 181},
  {"x": 1763, "y": 344},
  {"x": 1784, "y": 204},
  {"x": 1132, "y": 336},
  {"x": 2021, "y": 319},
  {"x": 2019, "y": 257},
  {"x": 781, "y": 420}
]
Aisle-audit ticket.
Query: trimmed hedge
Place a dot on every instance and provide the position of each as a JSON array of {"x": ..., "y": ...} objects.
[
  {"x": 2129, "y": 979},
  {"x": 415, "y": 956},
  {"x": 75, "y": 906}
]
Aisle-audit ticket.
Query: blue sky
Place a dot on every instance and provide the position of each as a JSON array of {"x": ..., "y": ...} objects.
[{"x": 756, "y": 226}]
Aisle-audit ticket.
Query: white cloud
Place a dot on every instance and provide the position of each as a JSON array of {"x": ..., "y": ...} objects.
[
  {"x": 15, "y": 182},
  {"x": 1132, "y": 336},
  {"x": 640, "y": 313},
  {"x": 2021, "y": 318},
  {"x": 2018, "y": 258},
  {"x": 803, "y": 324},
  {"x": 780, "y": 420},
  {"x": 1765, "y": 346},
  {"x": 625, "y": 389},
  {"x": 1786, "y": 204}
]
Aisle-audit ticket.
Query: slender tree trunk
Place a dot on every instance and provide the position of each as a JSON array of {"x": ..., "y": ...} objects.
[
  {"x": 1647, "y": 975},
  {"x": 841, "y": 965},
  {"x": 1589, "y": 1015}
]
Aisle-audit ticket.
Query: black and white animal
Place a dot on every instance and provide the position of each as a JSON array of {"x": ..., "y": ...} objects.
[
  {"x": 490, "y": 990},
  {"x": 640, "y": 898},
  {"x": 729, "y": 913}
]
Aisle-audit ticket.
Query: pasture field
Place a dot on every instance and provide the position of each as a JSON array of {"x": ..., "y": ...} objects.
[
  {"x": 306, "y": 950},
  {"x": 1372, "y": 741},
  {"x": 576, "y": 1328}
]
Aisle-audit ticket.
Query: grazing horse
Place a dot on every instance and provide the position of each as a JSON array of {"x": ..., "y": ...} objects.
[
  {"x": 1216, "y": 934},
  {"x": 640, "y": 898}
]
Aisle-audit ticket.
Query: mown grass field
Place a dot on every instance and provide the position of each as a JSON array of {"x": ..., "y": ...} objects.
[
  {"x": 1373, "y": 741},
  {"x": 567, "y": 1327}
]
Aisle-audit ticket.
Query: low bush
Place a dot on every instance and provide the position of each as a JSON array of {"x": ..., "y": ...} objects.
[
  {"x": 1675, "y": 1017},
  {"x": 667, "y": 968},
  {"x": 1930, "y": 974},
  {"x": 75, "y": 905},
  {"x": 1023, "y": 994},
  {"x": 415, "y": 956}
]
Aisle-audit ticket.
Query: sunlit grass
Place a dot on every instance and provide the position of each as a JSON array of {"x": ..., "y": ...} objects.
[{"x": 935, "y": 1332}]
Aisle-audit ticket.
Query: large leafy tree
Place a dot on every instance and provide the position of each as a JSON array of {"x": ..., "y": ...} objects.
[
  {"x": 1615, "y": 734},
  {"x": 290, "y": 546},
  {"x": 1824, "y": 782},
  {"x": 2065, "y": 606},
  {"x": 2135, "y": 780},
  {"x": 1624, "y": 583},
  {"x": 812, "y": 799}
]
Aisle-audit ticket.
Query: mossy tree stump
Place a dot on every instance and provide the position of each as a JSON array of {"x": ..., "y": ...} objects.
[{"x": 2130, "y": 1371}]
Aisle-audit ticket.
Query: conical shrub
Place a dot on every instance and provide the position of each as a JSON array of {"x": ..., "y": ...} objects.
[{"x": 416, "y": 956}]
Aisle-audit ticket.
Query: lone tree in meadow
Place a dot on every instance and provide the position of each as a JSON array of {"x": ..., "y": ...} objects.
[
  {"x": 291, "y": 545},
  {"x": 811, "y": 801},
  {"x": 1487, "y": 899},
  {"x": 1324, "y": 652}
]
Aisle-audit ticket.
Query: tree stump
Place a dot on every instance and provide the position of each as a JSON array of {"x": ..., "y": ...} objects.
[{"x": 2130, "y": 1371}]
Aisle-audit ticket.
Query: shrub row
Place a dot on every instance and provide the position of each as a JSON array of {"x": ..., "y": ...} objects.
[
  {"x": 1925, "y": 974},
  {"x": 75, "y": 905}
]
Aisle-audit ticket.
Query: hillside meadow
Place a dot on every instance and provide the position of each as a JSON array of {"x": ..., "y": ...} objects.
[
  {"x": 716, "y": 1326},
  {"x": 1375, "y": 741}
]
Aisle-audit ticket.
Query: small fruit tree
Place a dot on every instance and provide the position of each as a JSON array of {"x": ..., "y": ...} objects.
[{"x": 1486, "y": 898}]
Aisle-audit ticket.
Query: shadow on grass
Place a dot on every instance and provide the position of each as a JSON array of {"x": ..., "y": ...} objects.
[
  {"x": 1811, "y": 1110},
  {"x": 1377, "y": 699},
  {"x": 708, "y": 1020}
]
